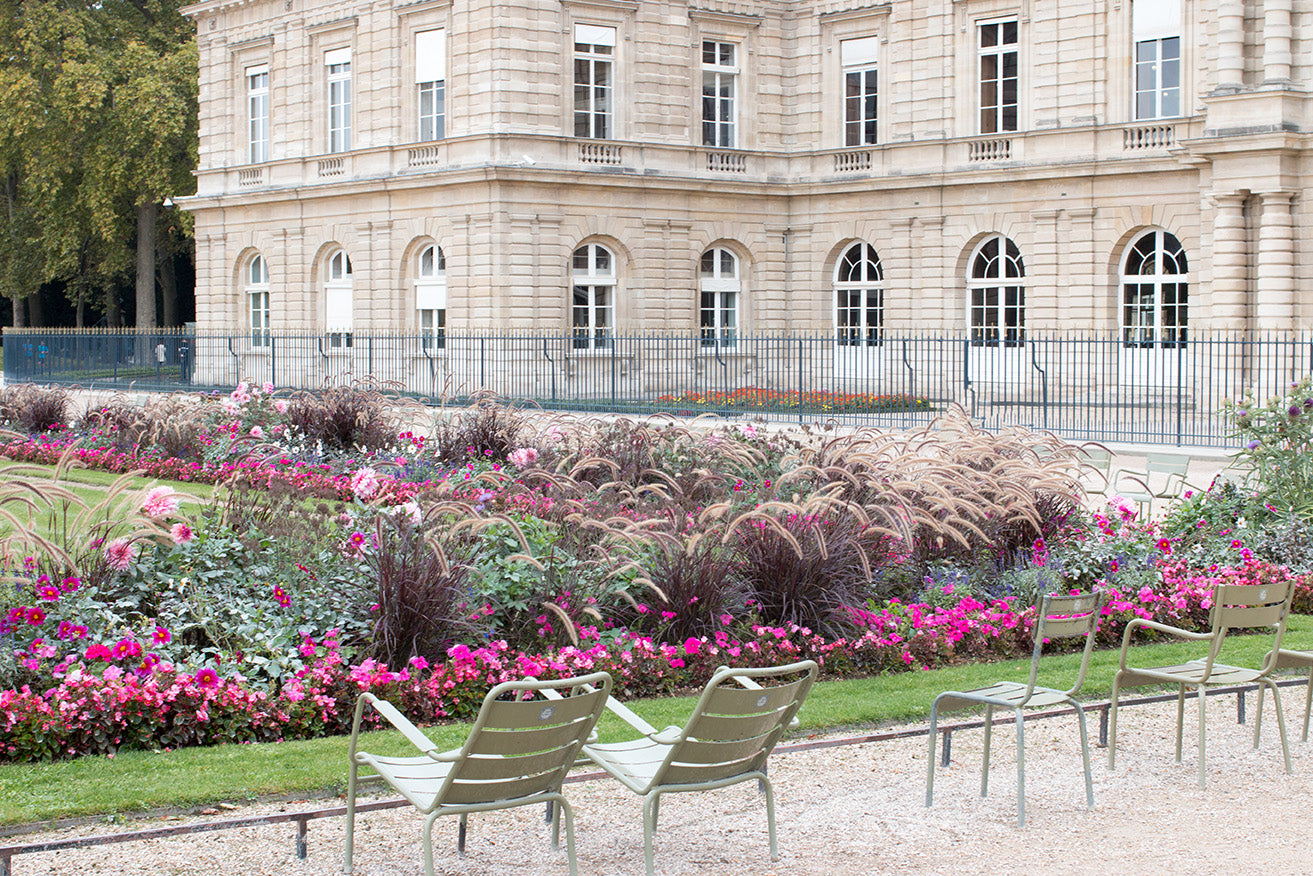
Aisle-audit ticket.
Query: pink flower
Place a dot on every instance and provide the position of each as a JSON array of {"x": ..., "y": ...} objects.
[
  {"x": 161, "y": 636},
  {"x": 365, "y": 483},
  {"x": 207, "y": 677},
  {"x": 281, "y": 597},
  {"x": 1165, "y": 545},
  {"x": 267, "y": 387},
  {"x": 257, "y": 432},
  {"x": 120, "y": 553},
  {"x": 35, "y": 617},
  {"x": 692, "y": 645},
  {"x": 280, "y": 405},
  {"x": 181, "y": 533},
  {"x": 49, "y": 593},
  {"x": 525, "y": 457},
  {"x": 160, "y": 502}
]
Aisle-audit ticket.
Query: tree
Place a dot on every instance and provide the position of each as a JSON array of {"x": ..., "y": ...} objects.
[{"x": 98, "y": 126}]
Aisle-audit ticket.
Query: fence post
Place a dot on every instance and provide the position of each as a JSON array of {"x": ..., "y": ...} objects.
[
  {"x": 1180, "y": 380},
  {"x": 801, "y": 356}
]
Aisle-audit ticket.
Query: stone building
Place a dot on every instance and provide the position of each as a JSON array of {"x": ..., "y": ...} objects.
[{"x": 726, "y": 168}]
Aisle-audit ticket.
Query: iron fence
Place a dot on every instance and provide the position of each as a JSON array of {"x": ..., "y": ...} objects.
[{"x": 1102, "y": 387}]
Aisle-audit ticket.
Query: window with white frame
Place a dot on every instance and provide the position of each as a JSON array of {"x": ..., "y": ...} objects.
[
  {"x": 996, "y": 286},
  {"x": 1156, "y": 28},
  {"x": 720, "y": 73},
  {"x": 431, "y": 83},
  {"x": 719, "y": 313},
  {"x": 1154, "y": 291},
  {"x": 338, "y": 64},
  {"x": 859, "y": 297},
  {"x": 339, "y": 305},
  {"x": 431, "y": 296},
  {"x": 998, "y": 66},
  {"x": 594, "y": 70},
  {"x": 860, "y": 90},
  {"x": 257, "y": 113},
  {"x": 257, "y": 300},
  {"x": 592, "y": 297}
]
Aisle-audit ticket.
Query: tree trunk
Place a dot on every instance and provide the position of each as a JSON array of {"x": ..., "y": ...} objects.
[
  {"x": 36, "y": 315},
  {"x": 168, "y": 291},
  {"x": 113, "y": 313},
  {"x": 20, "y": 312},
  {"x": 81, "y": 308},
  {"x": 146, "y": 216}
]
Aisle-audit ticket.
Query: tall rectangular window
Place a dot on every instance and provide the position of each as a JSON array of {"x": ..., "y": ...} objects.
[
  {"x": 257, "y": 113},
  {"x": 1156, "y": 30},
  {"x": 338, "y": 63},
  {"x": 431, "y": 83},
  {"x": 860, "y": 91},
  {"x": 720, "y": 72},
  {"x": 998, "y": 76},
  {"x": 594, "y": 69}
]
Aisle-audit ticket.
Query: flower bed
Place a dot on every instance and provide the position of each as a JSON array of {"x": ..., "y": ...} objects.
[
  {"x": 110, "y": 698},
  {"x": 752, "y": 398}
]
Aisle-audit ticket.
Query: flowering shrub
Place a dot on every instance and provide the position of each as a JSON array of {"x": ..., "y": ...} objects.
[
  {"x": 1277, "y": 446},
  {"x": 752, "y": 398}
]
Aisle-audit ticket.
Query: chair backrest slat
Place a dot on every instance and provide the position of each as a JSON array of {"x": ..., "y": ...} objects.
[
  {"x": 1064, "y": 615},
  {"x": 537, "y": 712},
  {"x": 1245, "y": 606},
  {"x": 735, "y": 700},
  {"x": 521, "y": 746},
  {"x": 733, "y": 729}
]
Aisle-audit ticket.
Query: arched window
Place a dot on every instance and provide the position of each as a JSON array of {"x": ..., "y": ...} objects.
[
  {"x": 859, "y": 297},
  {"x": 338, "y": 304},
  {"x": 257, "y": 299},
  {"x": 997, "y": 289},
  {"x": 592, "y": 308},
  {"x": 1154, "y": 291},
  {"x": 431, "y": 295},
  {"x": 719, "y": 319}
]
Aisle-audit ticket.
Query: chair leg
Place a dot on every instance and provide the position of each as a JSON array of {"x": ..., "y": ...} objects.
[
  {"x": 930, "y": 755},
  {"x": 1085, "y": 754},
  {"x": 984, "y": 772},
  {"x": 460, "y": 835},
  {"x": 349, "y": 842},
  {"x": 1203, "y": 774},
  {"x": 556, "y": 826},
  {"x": 563, "y": 810},
  {"x": 1180, "y": 720},
  {"x": 651, "y": 805},
  {"x": 1258, "y": 716},
  {"x": 770, "y": 819},
  {"x": 1308, "y": 705},
  {"x": 426, "y": 837},
  {"x": 1281, "y": 719},
  {"x": 1112, "y": 721},
  {"x": 1021, "y": 769}
]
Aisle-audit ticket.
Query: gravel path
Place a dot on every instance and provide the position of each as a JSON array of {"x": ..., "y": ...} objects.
[{"x": 849, "y": 809}]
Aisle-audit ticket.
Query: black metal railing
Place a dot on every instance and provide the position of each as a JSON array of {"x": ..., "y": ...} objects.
[{"x": 1090, "y": 386}]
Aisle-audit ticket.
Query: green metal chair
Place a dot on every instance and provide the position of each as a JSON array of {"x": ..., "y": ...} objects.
[
  {"x": 1059, "y": 616},
  {"x": 1235, "y": 607},
  {"x": 1163, "y": 479},
  {"x": 735, "y": 725},
  {"x": 517, "y": 754}
]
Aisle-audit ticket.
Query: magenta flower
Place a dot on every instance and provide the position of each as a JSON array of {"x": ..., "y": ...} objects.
[
  {"x": 161, "y": 636},
  {"x": 36, "y": 617},
  {"x": 160, "y": 502},
  {"x": 207, "y": 677},
  {"x": 281, "y": 597},
  {"x": 120, "y": 553},
  {"x": 49, "y": 593}
]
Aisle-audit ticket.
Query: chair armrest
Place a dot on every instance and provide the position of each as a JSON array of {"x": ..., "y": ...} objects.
[
  {"x": 624, "y": 713},
  {"x": 396, "y": 719},
  {"x": 1137, "y": 623}
]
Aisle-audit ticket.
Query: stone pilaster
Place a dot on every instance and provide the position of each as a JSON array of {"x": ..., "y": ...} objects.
[
  {"x": 1230, "y": 264},
  {"x": 1230, "y": 45},
  {"x": 1275, "y": 298},
  {"x": 1277, "y": 34}
]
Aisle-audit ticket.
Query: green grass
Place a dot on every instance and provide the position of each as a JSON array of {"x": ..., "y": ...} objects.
[{"x": 134, "y": 781}]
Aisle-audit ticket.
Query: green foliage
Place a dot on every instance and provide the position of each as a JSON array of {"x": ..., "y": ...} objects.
[
  {"x": 98, "y": 115},
  {"x": 1277, "y": 447}
]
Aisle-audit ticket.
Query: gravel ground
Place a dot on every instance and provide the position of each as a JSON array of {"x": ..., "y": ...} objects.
[{"x": 848, "y": 809}]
